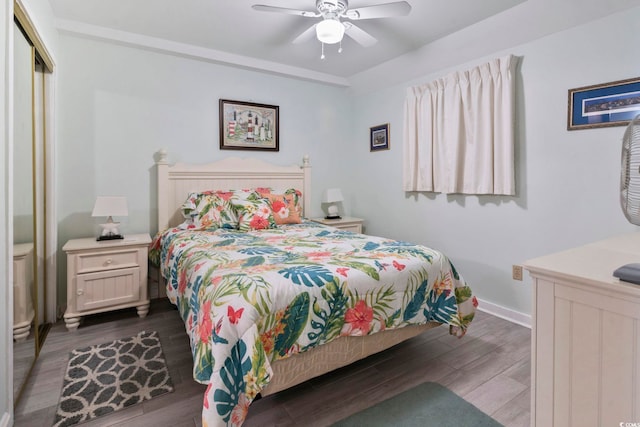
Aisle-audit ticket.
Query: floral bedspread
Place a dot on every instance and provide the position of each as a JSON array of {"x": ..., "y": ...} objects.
[{"x": 250, "y": 298}]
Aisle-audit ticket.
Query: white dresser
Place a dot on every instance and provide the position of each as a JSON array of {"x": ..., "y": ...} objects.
[{"x": 585, "y": 336}]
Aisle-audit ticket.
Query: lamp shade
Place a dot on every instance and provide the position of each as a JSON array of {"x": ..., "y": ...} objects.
[
  {"x": 110, "y": 206},
  {"x": 329, "y": 31},
  {"x": 332, "y": 195}
]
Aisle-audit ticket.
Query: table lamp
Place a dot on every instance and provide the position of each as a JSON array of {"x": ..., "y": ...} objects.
[
  {"x": 110, "y": 206},
  {"x": 332, "y": 196}
]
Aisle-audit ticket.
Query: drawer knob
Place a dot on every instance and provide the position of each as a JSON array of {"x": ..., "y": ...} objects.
[
  {"x": 79, "y": 292},
  {"x": 108, "y": 261}
]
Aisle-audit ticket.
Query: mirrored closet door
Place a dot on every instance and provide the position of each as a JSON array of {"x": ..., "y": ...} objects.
[{"x": 30, "y": 254}]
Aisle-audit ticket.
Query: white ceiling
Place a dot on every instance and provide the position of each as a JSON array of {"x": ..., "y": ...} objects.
[{"x": 233, "y": 27}]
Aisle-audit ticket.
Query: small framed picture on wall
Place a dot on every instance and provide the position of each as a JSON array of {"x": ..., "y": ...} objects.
[{"x": 379, "y": 137}]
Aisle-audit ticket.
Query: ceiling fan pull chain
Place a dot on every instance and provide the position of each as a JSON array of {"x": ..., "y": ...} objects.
[
  {"x": 340, "y": 48},
  {"x": 322, "y": 56}
]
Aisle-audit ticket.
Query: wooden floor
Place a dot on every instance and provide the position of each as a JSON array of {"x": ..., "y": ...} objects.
[{"x": 490, "y": 367}]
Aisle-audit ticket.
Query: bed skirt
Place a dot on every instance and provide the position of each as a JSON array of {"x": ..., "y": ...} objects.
[{"x": 336, "y": 354}]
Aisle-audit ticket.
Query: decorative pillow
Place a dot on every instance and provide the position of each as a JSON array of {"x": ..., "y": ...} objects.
[
  {"x": 284, "y": 209},
  {"x": 209, "y": 210},
  {"x": 255, "y": 215},
  {"x": 240, "y": 196},
  {"x": 285, "y": 205}
]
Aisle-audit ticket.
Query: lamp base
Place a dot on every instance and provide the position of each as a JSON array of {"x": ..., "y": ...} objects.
[
  {"x": 333, "y": 217},
  {"x": 110, "y": 237}
]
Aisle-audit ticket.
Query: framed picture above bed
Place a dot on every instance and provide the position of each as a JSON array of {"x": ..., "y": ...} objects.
[
  {"x": 603, "y": 105},
  {"x": 249, "y": 126},
  {"x": 379, "y": 137}
]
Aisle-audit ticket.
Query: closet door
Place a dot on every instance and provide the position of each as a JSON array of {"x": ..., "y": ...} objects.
[{"x": 32, "y": 197}]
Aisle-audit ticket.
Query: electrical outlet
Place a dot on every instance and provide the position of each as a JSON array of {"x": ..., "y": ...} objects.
[{"x": 517, "y": 272}]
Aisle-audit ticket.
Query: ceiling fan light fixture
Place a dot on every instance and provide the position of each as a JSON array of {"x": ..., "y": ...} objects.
[{"x": 330, "y": 31}]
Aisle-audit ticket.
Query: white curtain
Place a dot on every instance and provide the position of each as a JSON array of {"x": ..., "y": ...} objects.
[{"x": 459, "y": 132}]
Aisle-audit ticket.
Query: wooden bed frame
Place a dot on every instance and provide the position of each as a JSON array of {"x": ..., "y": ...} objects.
[{"x": 175, "y": 182}]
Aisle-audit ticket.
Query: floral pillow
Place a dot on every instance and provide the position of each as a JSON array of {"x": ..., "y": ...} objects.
[
  {"x": 286, "y": 207},
  {"x": 255, "y": 214},
  {"x": 209, "y": 210}
]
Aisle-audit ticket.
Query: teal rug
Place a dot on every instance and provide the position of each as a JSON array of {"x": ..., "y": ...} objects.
[{"x": 428, "y": 404}]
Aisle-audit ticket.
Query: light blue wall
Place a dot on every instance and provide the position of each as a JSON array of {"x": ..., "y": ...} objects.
[
  {"x": 118, "y": 105},
  {"x": 567, "y": 181}
]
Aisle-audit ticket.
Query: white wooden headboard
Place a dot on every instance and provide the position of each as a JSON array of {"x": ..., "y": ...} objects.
[{"x": 175, "y": 182}]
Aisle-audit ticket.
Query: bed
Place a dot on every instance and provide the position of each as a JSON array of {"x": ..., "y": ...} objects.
[{"x": 267, "y": 309}]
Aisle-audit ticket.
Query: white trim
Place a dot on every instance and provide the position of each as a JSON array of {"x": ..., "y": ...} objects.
[
  {"x": 51, "y": 219},
  {"x": 512, "y": 316},
  {"x": 6, "y": 210},
  {"x": 193, "y": 52}
]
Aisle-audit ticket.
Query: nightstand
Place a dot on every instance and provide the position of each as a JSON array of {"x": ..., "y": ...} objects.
[
  {"x": 345, "y": 223},
  {"x": 106, "y": 275}
]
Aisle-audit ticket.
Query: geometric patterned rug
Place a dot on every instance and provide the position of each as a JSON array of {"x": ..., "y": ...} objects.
[{"x": 104, "y": 378}]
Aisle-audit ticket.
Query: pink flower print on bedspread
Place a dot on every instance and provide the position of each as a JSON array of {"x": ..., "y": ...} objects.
[
  {"x": 357, "y": 320},
  {"x": 205, "y": 324}
]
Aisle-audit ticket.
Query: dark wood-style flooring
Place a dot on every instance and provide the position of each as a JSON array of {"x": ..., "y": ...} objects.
[{"x": 490, "y": 367}]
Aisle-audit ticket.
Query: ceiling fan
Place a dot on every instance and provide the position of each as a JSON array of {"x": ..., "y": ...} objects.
[{"x": 331, "y": 29}]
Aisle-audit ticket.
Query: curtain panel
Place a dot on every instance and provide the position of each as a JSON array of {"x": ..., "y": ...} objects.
[{"x": 459, "y": 132}]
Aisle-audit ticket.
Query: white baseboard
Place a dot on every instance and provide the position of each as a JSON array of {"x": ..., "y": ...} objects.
[
  {"x": 513, "y": 316},
  {"x": 5, "y": 420}
]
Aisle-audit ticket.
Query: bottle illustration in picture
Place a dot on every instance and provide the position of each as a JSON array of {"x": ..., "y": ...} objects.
[
  {"x": 231, "y": 132},
  {"x": 250, "y": 127},
  {"x": 263, "y": 132}
]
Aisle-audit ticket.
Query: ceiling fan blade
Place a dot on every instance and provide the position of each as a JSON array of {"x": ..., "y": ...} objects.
[
  {"x": 306, "y": 35},
  {"x": 359, "y": 35},
  {"x": 305, "y": 13},
  {"x": 387, "y": 10}
]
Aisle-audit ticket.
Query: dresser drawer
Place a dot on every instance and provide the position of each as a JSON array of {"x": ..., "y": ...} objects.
[{"x": 88, "y": 262}]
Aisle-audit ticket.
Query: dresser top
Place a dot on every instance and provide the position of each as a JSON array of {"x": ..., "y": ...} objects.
[
  {"x": 22, "y": 249},
  {"x": 593, "y": 263}
]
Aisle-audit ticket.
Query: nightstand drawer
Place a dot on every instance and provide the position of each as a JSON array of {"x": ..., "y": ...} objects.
[
  {"x": 99, "y": 261},
  {"x": 345, "y": 223},
  {"x": 107, "y": 288},
  {"x": 357, "y": 228}
]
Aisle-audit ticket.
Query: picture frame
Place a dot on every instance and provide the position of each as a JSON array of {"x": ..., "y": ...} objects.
[
  {"x": 379, "y": 137},
  {"x": 249, "y": 126},
  {"x": 603, "y": 105}
]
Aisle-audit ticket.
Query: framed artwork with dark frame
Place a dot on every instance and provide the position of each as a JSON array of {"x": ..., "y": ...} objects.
[
  {"x": 609, "y": 104},
  {"x": 379, "y": 137},
  {"x": 249, "y": 126}
]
